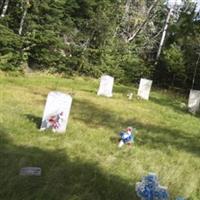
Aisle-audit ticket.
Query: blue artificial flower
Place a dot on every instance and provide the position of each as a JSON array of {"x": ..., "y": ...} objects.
[{"x": 149, "y": 189}]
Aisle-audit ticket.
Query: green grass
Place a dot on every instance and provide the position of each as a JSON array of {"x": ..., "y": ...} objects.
[{"x": 85, "y": 163}]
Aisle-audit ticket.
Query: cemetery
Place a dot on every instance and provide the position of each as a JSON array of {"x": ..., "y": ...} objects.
[
  {"x": 100, "y": 100},
  {"x": 160, "y": 161}
]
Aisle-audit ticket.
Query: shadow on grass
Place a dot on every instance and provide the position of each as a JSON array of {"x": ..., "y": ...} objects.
[
  {"x": 162, "y": 138},
  {"x": 114, "y": 139},
  {"x": 170, "y": 103},
  {"x": 116, "y": 89},
  {"x": 62, "y": 178},
  {"x": 155, "y": 136},
  {"x": 95, "y": 116},
  {"x": 35, "y": 119},
  {"x": 124, "y": 89}
]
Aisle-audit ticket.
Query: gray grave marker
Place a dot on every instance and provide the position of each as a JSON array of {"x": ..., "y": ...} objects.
[{"x": 30, "y": 171}]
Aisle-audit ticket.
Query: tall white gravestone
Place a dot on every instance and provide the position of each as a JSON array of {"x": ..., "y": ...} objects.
[
  {"x": 106, "y": 86},
  {"x": 194, "y": 101},
  {"x": 144, "y": 88},
  {"x": 56, "y": 112}
]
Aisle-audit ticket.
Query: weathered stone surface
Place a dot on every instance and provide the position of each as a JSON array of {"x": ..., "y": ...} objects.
[
  {"x": 106, "y": 86},
  {"x": 194, "y": 101},
  {"x": 144, "y": 88},
  {"x": 30, "y": 171},
  {"x": 56, "y": 112}
]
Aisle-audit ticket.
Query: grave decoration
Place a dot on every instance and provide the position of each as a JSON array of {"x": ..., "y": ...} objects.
[
  {"x": 130, "y": 96},
  {"x": 106, "y": 86},
  {"x": 144, "y": 88},
  {"x": 56, "y": 112},
  {"x": 149, "y": 188},
  {"x": 30, "y": 171},
  {"x": 194, "y": 101},
  {"x": 180, "y": 198},
  {"x": 126, "y": 137}
]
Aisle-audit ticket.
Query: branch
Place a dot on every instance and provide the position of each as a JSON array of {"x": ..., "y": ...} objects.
[
  {"x": 5, "y": 7},
  {"x": 149, "y": 16}
]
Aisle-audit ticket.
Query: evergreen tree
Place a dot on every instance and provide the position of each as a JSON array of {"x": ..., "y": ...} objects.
[{"x": 93, "y": 37}]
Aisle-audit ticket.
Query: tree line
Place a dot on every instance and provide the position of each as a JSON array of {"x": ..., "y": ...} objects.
[{"x": 127, "y": 39}]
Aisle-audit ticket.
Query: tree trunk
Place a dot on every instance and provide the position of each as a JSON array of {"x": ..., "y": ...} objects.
[
  {"x": 1, "y": 4},
  {"x": 141, "y": 27},
  {"x": 5, "y": 7},
  {"x": 22, "y": 21},
  {"x": 164, "y": 33},
  {"x": 173, "y": 80},
  {"x": 127, "y": 8},
  {"x": 124, "y": 17},
  {"x": 195, "y": 71}
]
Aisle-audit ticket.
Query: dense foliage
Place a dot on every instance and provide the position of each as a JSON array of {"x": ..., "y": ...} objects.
[{"x": 91, "y": 37}]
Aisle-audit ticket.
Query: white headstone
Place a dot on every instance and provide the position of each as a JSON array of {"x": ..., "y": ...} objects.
[
  {"x": 194, "y": 101},
  {"x": 56, "y": 112},
  {"x": 144, "y": 88},
  {"x": 106, "y": 86}
]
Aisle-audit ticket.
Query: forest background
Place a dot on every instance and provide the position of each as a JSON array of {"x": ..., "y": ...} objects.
[{"x": 124, "y": 38}]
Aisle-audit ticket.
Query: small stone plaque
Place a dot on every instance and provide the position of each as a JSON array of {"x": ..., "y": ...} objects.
[{"x": 30, "y": 171}]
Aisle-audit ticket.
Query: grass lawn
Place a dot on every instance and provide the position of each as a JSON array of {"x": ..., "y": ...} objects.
[{"x": 85, "y": 163}]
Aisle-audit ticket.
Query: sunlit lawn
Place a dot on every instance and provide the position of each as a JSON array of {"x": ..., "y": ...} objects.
[{"x": 85, "y": 163}]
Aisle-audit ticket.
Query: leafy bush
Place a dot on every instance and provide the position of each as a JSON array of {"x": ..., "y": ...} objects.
[
  {"x": 135, "y": 68},
  {"x": 174, "y": 61},
  {"x": 10, "y": 49}
]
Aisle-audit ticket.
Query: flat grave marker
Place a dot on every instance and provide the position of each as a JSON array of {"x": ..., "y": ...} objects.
[{"x": 30, "y": 171}]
